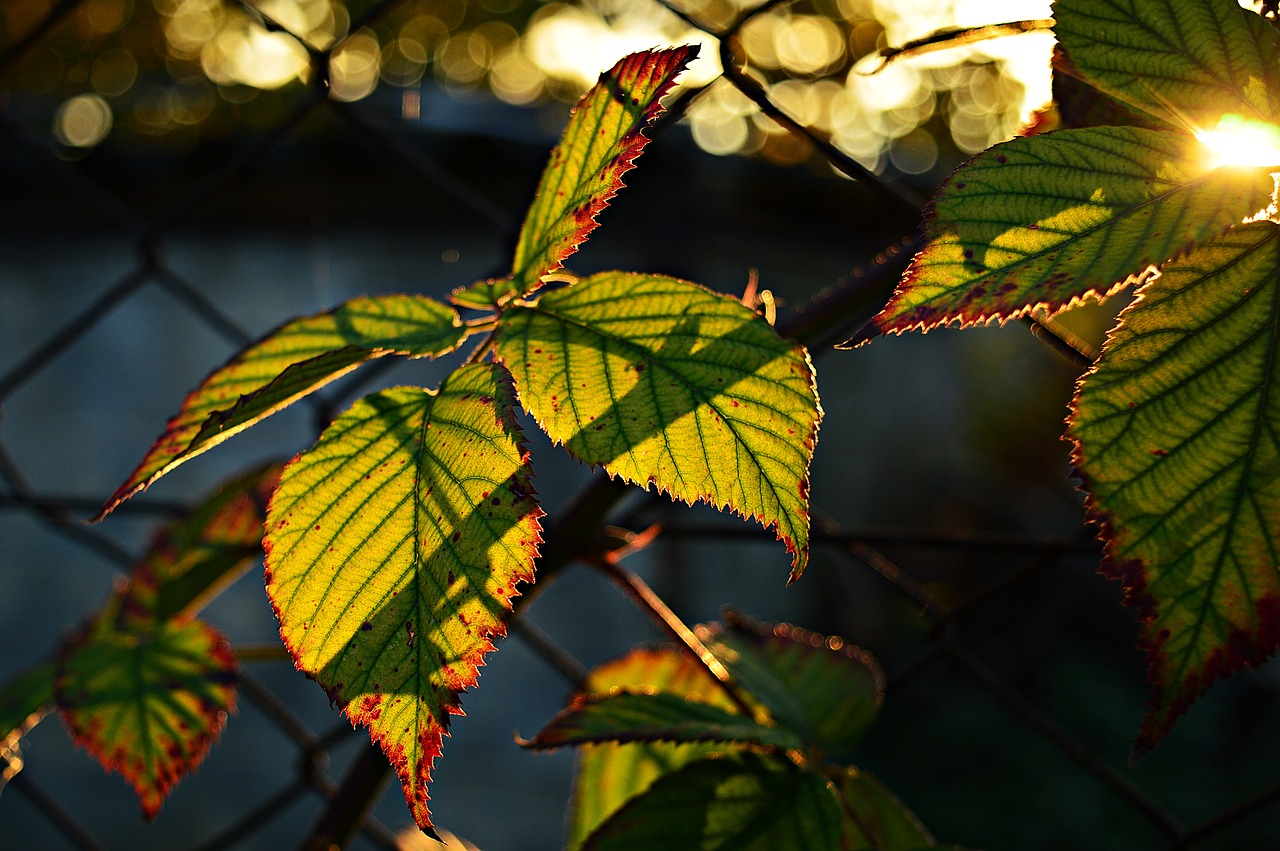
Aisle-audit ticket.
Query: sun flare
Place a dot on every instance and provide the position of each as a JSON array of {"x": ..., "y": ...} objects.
[{"x": 1239, "y": 141}]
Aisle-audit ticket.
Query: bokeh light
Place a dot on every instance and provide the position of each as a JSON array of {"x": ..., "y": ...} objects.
[
  {"x": 819, "y": 60},
  {"x": 83, "y": 121}
]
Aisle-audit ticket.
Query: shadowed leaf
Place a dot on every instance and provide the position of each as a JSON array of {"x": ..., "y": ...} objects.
[
  {"x": 292, "y": 361},
  {"x": 664, "y": 382},
  {"x": 874, "y": 818},
  {"x": 1186, "y": 61},
  {"x": 191, "y": 560},
  {"x": 606, "y": 775},
  {"x": 394, "y": 547},
  {"x": 1047, "y": 220},
  {"x": 822, "y": 688},
  {"x": 25, "y": 699},
  {"x": 1177, "y": 433},
  {"x": 625, "y": 716},
  {"x": 745, "y": 801},
  {"x": 146, "y": 703}
]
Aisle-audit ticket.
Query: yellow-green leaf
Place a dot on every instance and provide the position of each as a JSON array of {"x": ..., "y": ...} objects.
[
  {"x": 146, "y": 703},
  {"x": 290, "y": 362},
  {"x": 664, "y": 382},
  {"x": 394, "y": 547},
  {"x": 1045, "y": 221},
  {"x": 1177, "y": 434},
  {"x": 1188, "y": 62},
  {"x": 604, "y": 137}
]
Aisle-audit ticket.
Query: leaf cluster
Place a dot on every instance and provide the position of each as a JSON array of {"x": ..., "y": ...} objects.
[{"x": 1175, "y": 426}]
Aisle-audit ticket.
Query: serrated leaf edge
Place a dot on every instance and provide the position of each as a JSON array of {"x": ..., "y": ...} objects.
[{"x": 1247, "y": 651}]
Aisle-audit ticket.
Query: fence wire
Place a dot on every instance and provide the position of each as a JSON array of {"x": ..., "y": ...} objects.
[{"x": 946, "y": 651}]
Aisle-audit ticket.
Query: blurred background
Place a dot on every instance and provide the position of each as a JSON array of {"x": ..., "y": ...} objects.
[{"x": 178, "y": 177}]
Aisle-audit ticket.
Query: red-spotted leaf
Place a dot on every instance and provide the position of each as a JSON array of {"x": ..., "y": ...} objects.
[
  {"x": 604, "y": 137},
  {"x": 664, "y": 382},
  {"x": 820, "y": 687},
  {"x": 875, "y": 819},
  {"x": 630, "y": 716},
  {"x": 607, "y": 775},
  {"x": 394, "y": 547},
  {"x": 1047, "y": 220},
  {"x": 742, "y": 801},
  {"x": 146, "y": 703},
  {"x": 191, "y": 560},
  {"x": 296, "y": 359},
  {"x": 1177, "y": 437},
  {"x": 1188, "y": 62}
]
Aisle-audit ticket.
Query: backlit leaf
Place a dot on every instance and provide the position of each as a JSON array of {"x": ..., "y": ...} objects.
[
  {"x": 394, "y": 547},
  {"x": 604, "y": 137},
  {"x": 874, "y": 818},
  {"x": 1186, "y": 61},
  {"x": 821, "y": 687},
  {"x": 607, "y": 775},
  {"x": 664, "y": 382},
  {"x": 1176, "y": 434},
  {"x": 745, "y": 802},
  {"x": 628, "y": 716},
  {"x": 292, "y": 361},
  {"x": 146, "y": 703},
  {"x": 1047, "y": 220}
]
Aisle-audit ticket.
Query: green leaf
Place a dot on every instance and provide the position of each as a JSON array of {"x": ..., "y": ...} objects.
[
  {"x": 607, "y": 775},
  {"x": 1176, "y": 432},
  {"x": 1188, "y": 62},
  {"x": 604, "y": 137},
  {"x": 146, "y": 703},
  {"x": 822, "y": 688},
  {"x": 664, "y": 382},
  {"x": 25, "y": 699},
  {"x": 191, "y": 560},
  {"x": 394, "y": 547},
  {"x": 743, "y": 802},
  {"x": 875, "y": 819},
  {"x": 628, "y": 716},
  {"x": 1045, "y": 221},
  {"x": 287, "y": 364}
]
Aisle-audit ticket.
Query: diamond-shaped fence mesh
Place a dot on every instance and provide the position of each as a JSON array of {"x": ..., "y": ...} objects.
[{"x": 1013, "y": 686}]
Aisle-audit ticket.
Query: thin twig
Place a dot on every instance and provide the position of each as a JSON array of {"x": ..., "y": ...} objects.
[
  {"x": 1230, "y": 815},
  {"x": 653, "y": 605},
  {"x": 1047, "y": 728},
  {"x": 551, "y": 652},
  {"x": 347, "y": 810}
]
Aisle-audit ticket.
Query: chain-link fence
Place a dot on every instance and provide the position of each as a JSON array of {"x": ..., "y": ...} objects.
[{"x": 1013, "y": 688}]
